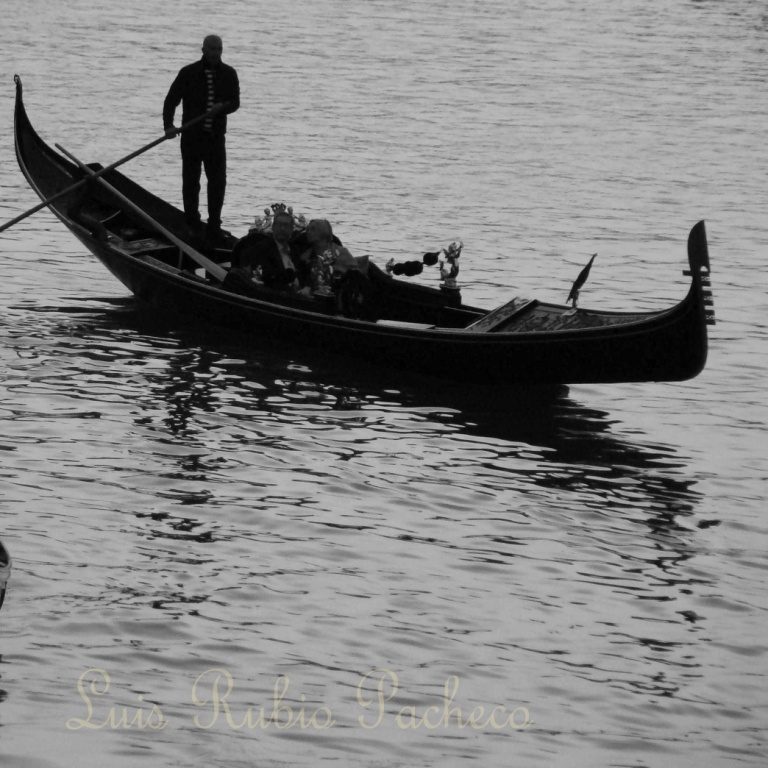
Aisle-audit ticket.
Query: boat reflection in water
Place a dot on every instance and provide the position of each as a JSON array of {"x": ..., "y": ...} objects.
[
  {"x": 264, "y": 431},
  {"x": 5, "y": 571},
  {"x": 196, "y": 373}
]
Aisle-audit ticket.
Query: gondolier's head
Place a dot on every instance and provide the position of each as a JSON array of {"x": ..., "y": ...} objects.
[{"x": 212, "y": 49}]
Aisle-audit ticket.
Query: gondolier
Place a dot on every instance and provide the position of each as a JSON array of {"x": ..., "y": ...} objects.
[{"x": 199, "y": 87}]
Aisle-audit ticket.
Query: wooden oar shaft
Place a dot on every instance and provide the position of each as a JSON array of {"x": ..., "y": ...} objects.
[
  {"x": 80, "y": 182},
  {"x": 211, "y": 266}
]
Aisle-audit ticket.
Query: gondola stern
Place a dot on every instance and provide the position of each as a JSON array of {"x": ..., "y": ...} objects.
[
  {"x": 22, "y": 125},
  {"x": 25, "y": 136},
  {"x": 22, "y": 128},
  {"x": 20, "y": 122},
  {"x": 48, "y": 173}
]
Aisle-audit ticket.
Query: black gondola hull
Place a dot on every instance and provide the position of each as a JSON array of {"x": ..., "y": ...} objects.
[{"x": 640, "y": 353}]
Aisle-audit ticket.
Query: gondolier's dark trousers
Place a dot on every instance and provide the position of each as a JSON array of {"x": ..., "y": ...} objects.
[{"x": 201, "y": 149}]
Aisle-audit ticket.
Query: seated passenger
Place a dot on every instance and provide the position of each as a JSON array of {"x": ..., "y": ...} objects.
[
  {"x": 333, "y": 271},
  {"x": 326, "y": 261},
  {"x": 272, "y": 256}
]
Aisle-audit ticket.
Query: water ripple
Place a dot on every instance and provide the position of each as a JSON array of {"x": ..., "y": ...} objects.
[{"x": 177, "y": 503}]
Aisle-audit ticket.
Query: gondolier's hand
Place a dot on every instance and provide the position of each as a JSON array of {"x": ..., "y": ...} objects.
[{"x": 171, "y": 132}]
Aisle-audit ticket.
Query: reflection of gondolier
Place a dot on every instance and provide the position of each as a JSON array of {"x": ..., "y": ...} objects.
[{"x": 201, "y": 86}]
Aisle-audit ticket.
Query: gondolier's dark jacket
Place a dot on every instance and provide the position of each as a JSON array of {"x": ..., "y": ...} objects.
[{"x": 191, "y": 89}]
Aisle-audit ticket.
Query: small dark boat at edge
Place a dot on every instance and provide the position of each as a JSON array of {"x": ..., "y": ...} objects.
[
  {"x": 409, "y": 326},
  {"x": 5, "y": 571}
]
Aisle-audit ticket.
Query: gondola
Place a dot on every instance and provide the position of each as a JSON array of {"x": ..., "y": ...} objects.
[{"x": 388, "y": 321}]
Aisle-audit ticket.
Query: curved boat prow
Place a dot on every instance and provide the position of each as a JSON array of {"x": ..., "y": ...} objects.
[
  {"x": 49, "y": 174},
  {"x": 698, "y": 252},
  {"x": 698, "y": 259}
]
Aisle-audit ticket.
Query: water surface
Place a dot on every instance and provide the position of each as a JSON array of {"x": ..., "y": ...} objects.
[{"x": 189, "y": 516}]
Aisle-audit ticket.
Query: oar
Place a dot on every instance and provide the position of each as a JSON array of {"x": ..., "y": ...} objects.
[
  {"x": 167, "y": 135},
  {"x": 210, "y": 266}
]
